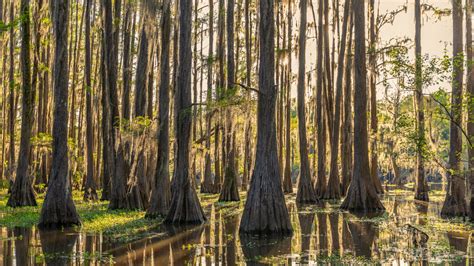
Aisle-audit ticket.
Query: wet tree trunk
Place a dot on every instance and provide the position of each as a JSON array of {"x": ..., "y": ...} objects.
[
  {"x": 207, "y": 185},
  {"x": 373, "y": 99},
  {"x": 306, "y": 193},
  {"x": 265, "y": 209},
  {"x": 361, "y": 195},
  {"x": 421, "y": 191},
  {"x": 470, "y": 91},
  {"x": 161, "y": 193},
  {"x": 455, "y": 203},
  {"x": 185, "y": 206},
  {"x": 333, "y": 189},
  {"x": 321, "y": 130},
  {"x": 229, "y": 190},
  {"x": 58, "y": 208},
  {"x": 22, "y": 191},
  {"x": 90, "y": 186}
]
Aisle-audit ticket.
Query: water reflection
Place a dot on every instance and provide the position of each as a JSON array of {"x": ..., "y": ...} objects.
[{"x": 404, "y": 235}]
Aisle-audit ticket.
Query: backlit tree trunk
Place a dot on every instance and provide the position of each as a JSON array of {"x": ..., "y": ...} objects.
[
  {"x": 185, "y": 206},
  {"x": 361, "y": 195},
  {"x": 455, "y": 203},
  {"x": 265, "y": 209}
]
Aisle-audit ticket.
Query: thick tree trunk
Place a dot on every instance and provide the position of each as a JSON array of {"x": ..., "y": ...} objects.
[
  {"x": 161, "y": 193},
  {"x": 306, "y": 193},
  {"x": 22, "y": 191},
  {"x": 455, "y": 203},
  {"x": 361, "y": 195},
  {"x": 185, "y": 206},
  {"x": 265, "y": 209},
  {"x": 229, "y": 190},
  {"x": 421, "y": 190},
  {"x": 90, "y": 186},
  {"x": 142, "y": 66},
  {"x": 58, "y": 208},
  {"x": 126, "y": 65}
]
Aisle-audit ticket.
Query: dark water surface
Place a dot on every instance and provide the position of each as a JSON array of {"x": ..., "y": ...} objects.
[{"x": 409, "y": 232}]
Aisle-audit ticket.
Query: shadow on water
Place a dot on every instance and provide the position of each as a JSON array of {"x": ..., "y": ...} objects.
[{"x": 410, "y": 232}]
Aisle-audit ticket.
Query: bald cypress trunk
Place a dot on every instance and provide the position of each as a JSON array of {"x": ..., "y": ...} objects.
[
  {"x": 22, "y": 191},
  {"x": 161, "y": 193},
  {"x": 306, "y": 193},
  {"x": 421, "y": 190},
  {"x": 373, "y": 100},
  {"x": 11, "y": 100},
  {"x": 265, "y": 209},
  {"x": 470, "y": 90},
  {"x": 58, "y": 208},
  {"x": 455, "y": 203},
  {"x": 229, "y": 190},
  {"x": 185, "y": 206},
  {"x": 361, "y": 195},
  {"x": 90, "y": 186},
  {"x": 333, "y": 190},
  {"x": 207, "y": 185}
]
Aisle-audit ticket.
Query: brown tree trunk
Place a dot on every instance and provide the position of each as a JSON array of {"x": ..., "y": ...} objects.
[
  {"x": 185, "y": 206},
  {"x": 373, "y": 100},
  {"x": 361, "y": 195},
  {"x": 333, "y": 189},
  {"x": 265, "y": 209},
  {"x": 58, "y": 208},
  {"x": 421, "y": 190},
  {"x": 22, "y": 191},
  {"x": 306, "y": 193},
  {"x": 207, "y": 185},
  {"x": 470, "y": 93},
  {"x": 229, "y": 190},
  {"x": 455, "y": 203},
  {"x": 321, "y": 129},
  {"x": 11, "y": 100},
  {"x": 126, "y": 64},
  {"x": 161, "y": 193}
]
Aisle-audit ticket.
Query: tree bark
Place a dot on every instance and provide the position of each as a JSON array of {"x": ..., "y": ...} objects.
[
  {"x": 421, "y": 191},
  {"x": 161, "y": 193},
  {"x": 470, "y": 90},
  {"x": 361, "y": 196},
  {"x": 90, "y": 186},
  {"x": 265, "y": 209},
  {"x": 22, "y": 193},
  {"x": 185, "y": 206},
  {"x": 58, "y": 207},
  {"x": 229, "y": 190},
  {"x": 306, "y": 193},
  {"x": 455, "y": 203}
]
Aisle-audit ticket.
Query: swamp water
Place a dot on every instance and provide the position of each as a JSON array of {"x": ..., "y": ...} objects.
[{"x": 408, "y": 232}]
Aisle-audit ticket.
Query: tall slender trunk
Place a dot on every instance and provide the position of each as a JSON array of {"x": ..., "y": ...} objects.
[
  {"x": 421, "y": 191},
  {"x": 361, "y": 195},
  {"x": 306, "y": 193},
  {"x": 185, "y": 206},
  {"x": 470, "y": 91},
  {"x": 22, "y": 191},
  {"x": 58, "y": 208},
  {"x": 161, "y": 193},
  {"x": 373, "y": 99},
  {"x": 126, "y": 64},
  {"x": 11, "y": 100},
  {"x": 90, "y": 186},
  {"x": 455, "y": 203},
  {"x": 229, "y": 190}
]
